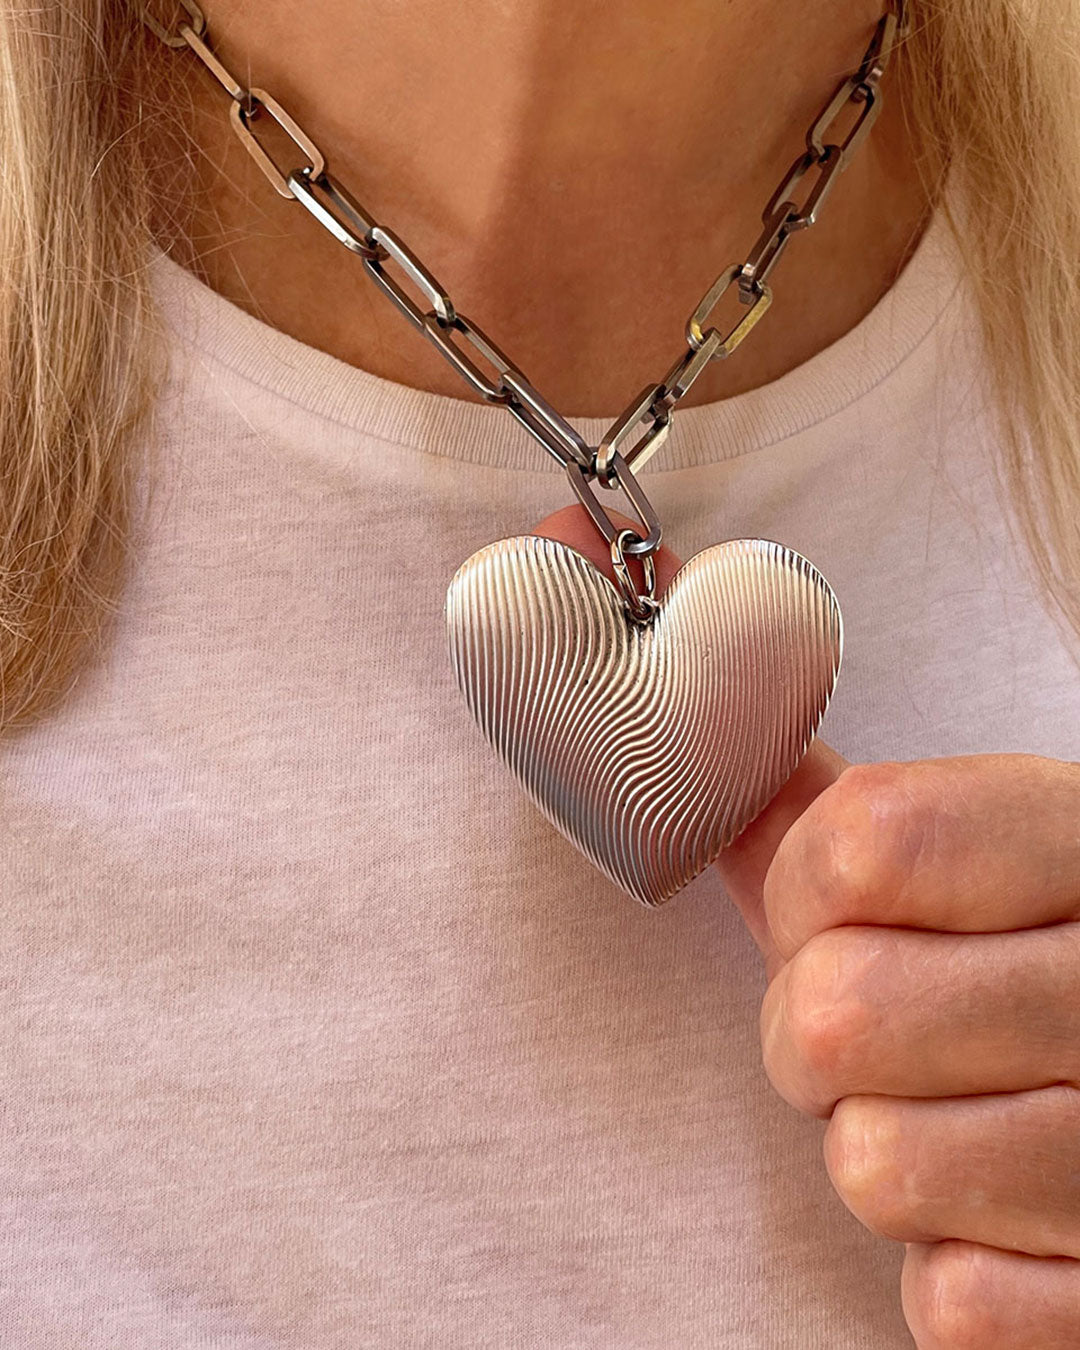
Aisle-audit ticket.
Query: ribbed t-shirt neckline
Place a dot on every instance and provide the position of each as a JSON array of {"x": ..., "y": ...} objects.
[{"x": 324, "y": 386}]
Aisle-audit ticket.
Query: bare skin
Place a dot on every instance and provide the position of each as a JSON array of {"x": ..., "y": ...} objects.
[{"x": 576, "y": 177}]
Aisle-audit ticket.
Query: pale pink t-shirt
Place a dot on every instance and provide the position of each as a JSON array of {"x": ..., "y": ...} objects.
[{"x": 315, "y": 1034}]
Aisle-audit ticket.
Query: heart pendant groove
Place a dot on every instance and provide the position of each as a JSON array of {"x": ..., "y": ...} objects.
[{"x": 649, "y": 746}]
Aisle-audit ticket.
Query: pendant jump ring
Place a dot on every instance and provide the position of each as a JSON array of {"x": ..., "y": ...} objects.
[{"x": 641, "y": 606}]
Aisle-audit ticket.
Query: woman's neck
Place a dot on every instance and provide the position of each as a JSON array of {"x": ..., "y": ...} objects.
[{"x": 575, "y": 175}]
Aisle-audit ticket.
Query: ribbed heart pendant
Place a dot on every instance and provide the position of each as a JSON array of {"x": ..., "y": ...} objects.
[{"x": 649, "y": 745}]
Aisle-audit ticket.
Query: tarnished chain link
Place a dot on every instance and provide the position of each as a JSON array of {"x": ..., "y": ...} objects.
[
  {"x": 647, "y": 420},
  {"x": 654, "y": 407},
  {"x": 643, "y": 508}
]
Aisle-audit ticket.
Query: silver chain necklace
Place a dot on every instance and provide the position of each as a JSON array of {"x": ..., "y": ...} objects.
[{"x": 649, "y": 731}]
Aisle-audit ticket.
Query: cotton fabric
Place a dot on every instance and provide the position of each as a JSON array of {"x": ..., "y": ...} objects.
[{"x": 315, "y": 1034}]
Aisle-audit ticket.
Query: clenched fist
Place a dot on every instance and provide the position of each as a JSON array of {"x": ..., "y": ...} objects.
[{"x": 920, "y": 929}]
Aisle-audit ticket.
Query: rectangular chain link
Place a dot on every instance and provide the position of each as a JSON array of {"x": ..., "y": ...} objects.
[
  {"x": 780, "y": 219},
  {"x": 310, "y": 184}
]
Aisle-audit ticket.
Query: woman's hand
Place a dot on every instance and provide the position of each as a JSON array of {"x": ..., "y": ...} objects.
[
  {"x": 920, "y": 925},
  {"x": 920, "y": 928}
]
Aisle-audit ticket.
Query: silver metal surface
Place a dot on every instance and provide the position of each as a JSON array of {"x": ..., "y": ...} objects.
[
  {"x": 311, "y": 184},
  {"x": 649, "y": 745}
]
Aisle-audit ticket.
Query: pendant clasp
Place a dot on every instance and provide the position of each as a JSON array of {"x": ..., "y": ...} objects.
[{"x": 640, "y": 606}]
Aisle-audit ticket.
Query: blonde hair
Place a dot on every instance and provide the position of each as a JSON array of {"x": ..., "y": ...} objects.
[{"x": 991, "y": 89}]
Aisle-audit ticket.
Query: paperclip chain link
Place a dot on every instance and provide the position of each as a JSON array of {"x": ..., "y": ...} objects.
[{"x": 310, "y": 183}]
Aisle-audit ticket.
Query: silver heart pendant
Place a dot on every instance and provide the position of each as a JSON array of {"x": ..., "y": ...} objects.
[{"x": 649, "y": 745}]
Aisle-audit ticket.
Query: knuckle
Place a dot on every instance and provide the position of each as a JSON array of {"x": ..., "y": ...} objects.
[
  {"x": 949, "y": 1299},
  {"x": 854, "y": 845},
  {"x": 870, "y": 827},
  {"x": 1063, "y": 1101},
  {"x": 862, "y": 1147},
  {"x": 818, "y": 1039}
]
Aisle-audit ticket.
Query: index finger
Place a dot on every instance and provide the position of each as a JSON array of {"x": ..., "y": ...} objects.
[{"x": 982, "y": 843}]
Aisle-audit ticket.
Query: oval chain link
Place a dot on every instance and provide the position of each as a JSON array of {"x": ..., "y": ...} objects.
[{"x": 646, "y": 421}]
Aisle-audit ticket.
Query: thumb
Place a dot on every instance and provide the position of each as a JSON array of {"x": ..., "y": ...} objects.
[{"x": 743, "y": 864}]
